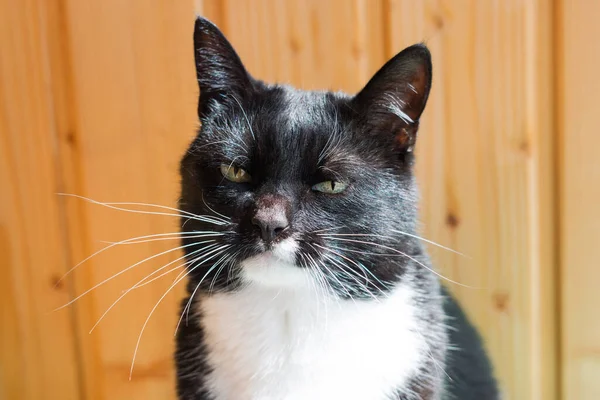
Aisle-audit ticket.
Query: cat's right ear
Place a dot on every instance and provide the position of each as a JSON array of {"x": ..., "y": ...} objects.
[{"x": 221, "y": 75}]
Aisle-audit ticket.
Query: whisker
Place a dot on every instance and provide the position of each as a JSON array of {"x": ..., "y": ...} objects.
[
  {"x": 177, "y": 234},
  {"x": 431, "y": 242},
  {"x": 114, "y": 206},
  {"x": 161, "y": 275},
  {"x": 228, "y": 259},
  {"x": 162, "y": 239},
  {"x": 148, "y": 319},
  {"x": 179, "y": 275},
  {"x": 342, "y": 286},
  {"x": 407, "y": 256},
  {"x": 128, "y": 203},
  {"x": 340, "y": 255},
  {"x": 361, "y": 267},
  {"x": 212, "y": 283},
  {"x": 137, "y": 285},
  {"x": 189, "y": 303},
  {"x": 210, "y": 208},
  {"x": 349, "y": 270},
  {"x": 129, "y": 268},
  {"x": 328, "y": 229},
  {"x": 345, "y": 269},
  {"x": 395, "y": 238}
]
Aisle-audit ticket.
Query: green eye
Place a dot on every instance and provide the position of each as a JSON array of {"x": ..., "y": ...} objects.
[
  {"x": 330, "y": 187},
  {"x": 235, "y": 174}
]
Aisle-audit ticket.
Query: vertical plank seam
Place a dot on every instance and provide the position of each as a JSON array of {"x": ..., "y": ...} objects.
[
  {"x": 62, "y": 39},
  {"x": 557, "y": 57}
]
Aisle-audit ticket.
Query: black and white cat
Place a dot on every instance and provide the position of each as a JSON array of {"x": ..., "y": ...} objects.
[{"x": 313, "y": 283}]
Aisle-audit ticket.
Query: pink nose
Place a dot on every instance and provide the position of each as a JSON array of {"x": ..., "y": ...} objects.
[{"x": 271, "y": 217}]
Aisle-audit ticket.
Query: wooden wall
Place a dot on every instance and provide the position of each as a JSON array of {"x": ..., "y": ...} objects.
[
  {"x": 97, "y": 98},
  {"x": 578, "y": 123}
]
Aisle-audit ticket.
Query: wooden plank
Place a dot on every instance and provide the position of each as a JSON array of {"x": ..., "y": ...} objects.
[
  {"x": 579, "y": 63},
  {"x": 133, "y": 95},
  {"x": 311, "y": 44},
  {"x": 544, "y": 224},
  {"x": 37, "y": 355},
  {"x": 484, "y": 164}
]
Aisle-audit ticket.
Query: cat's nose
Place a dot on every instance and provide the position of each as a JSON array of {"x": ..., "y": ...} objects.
[{"x": 271, "y": 218}]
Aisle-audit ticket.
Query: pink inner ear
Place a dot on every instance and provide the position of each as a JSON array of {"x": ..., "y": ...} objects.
[
  {"x": 405, "y": 137},
  {"x": 402, "y": 138}
]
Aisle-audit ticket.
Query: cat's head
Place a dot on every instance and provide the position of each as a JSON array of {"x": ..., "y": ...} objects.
[{"x": 297, "y": 187}]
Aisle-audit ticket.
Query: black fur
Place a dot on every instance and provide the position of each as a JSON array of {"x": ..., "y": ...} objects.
[
  {"x": 288, "y": 141},
  {"x": 469, "y": 369}
]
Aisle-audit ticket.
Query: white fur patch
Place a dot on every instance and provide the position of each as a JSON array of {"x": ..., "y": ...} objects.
[
  {"x": 276, "y": 268},
  {"x": 280, "y": 339}
]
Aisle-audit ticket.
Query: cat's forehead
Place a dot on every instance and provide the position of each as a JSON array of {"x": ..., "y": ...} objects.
[
  {"x": 302, "y": 103},
  {"x": 303, "y": 110}
]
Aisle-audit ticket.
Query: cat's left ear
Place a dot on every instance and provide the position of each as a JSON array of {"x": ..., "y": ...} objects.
[{"x": 393, "y": 100}]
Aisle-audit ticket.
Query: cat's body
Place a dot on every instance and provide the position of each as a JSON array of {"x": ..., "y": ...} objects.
[{"x": 314, "y": 284}]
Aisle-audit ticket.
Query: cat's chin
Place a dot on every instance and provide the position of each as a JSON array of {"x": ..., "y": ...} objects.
[{"x": 276, "y": 268}]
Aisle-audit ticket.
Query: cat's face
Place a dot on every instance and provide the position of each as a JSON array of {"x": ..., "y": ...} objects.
[{"x": 301, "y": 187}]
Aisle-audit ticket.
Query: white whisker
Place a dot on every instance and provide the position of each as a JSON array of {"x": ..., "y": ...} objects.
[
  {"x": 175, "y": 234},
  {"x": 138, "y": 284},
  {"x": 342, "y": 286},
  {"x": 162, "y": 239},
  {"x": 328, "y": 229},
  {"x": 395, "y": 238},
  {"x": 345, "y": 268},
  {"x": 129, "y": 268},
  {"x": 115, "y": 206},
  {"x": 215, "y": 212},
  {"x": 189, "y": 303},
  {"x": 161, "y": 275},
  {"x": 148, "y": 319},
  {"x": 361, "y": 267},
  {"x": 430, "y": 242},
  {"x": 405, "y": 255}
]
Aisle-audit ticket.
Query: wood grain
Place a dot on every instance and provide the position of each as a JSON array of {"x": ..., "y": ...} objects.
[
  {"x": 579, "y": 125},
  {"x": 37, "y": 351}
]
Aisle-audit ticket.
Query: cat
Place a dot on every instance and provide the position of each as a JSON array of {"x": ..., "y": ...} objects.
[{"x": 309, "y": 281}]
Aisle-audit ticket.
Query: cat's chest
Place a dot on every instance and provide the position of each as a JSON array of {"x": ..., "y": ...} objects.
[{"x": 265, "y": 345}]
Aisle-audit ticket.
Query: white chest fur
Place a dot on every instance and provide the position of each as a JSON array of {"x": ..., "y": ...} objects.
[{"x": 266, "y": 343}]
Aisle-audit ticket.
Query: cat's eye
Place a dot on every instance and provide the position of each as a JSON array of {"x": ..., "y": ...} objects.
[
  {"x": 330, "y": 187},
  {"x": 235, "y": 174}
]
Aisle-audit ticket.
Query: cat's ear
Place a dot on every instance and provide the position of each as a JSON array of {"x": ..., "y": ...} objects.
[
  {"x": 221, "y": 75},
  {"x": 393, "y": 100}
]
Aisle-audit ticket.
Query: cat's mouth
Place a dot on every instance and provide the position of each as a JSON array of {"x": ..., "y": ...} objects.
[{"x": 275, "y": 267}]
